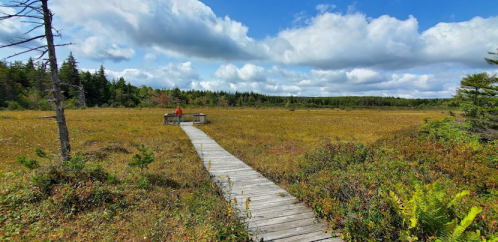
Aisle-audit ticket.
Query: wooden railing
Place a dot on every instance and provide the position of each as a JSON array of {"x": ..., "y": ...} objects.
[{"x": 196, "y": 118}]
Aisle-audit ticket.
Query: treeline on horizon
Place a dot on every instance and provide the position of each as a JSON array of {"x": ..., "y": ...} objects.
[{"x": 28, "y": 86}]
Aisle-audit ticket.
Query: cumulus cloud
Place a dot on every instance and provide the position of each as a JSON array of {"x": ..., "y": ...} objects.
[
  {"x": 8, "y": 27},
  {"x": 342, "y": 53},
  {"x": 180, "y": 75},
  {"x": 316, "y": 82},
  {"x": 462, "y": 42},
  {"x": 14, "y": 30},
  {"x": 322, "y": 8},
  {"x": 248, "y": 72},
  {"x": 98, "y": 48},
  {"x": 284, "y": 82},
  {"x": 335, "y": 41},
  {"x": 185, "y": 27},
  {"x": 329, "y": 40}
]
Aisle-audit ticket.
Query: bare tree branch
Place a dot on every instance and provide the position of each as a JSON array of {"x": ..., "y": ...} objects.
[
  {"x": 20, "y": 16},
  {"x": 31, "y": 22},
  {"x": 29, "y": 50},
  {"x": 38, "y": 26},
  {"x": 38, "y": 9},
  {"x": 22, "y": 42}
]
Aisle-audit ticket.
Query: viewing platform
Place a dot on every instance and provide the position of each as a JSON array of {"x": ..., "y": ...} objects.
[{"x": 195, "y": 118}]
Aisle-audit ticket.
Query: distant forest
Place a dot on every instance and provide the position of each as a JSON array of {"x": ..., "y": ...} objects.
[{"x": 28, "y": 86}]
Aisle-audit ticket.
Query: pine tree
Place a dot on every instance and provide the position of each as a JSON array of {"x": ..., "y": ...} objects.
[
  {"x": 71, "y": 80},
  {"x": 479, "y": 96},
  {"x": 491, "y": 61}
]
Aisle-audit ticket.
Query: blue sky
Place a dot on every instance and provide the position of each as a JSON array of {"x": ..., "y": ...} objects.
[{"x": 413, "y": 49}]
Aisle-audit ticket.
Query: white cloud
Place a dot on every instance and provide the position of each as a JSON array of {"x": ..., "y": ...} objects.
[
  {"x": 150, "y": 57},
  {"x": 181, "y": 75},
  {"x": 15, "y": 29},
  {"x": 322, "y": 8},
  {"x": 185, "y": 27},
  {"x": 340, "y": 53},
  {"x": 190, "y": 29},
  {"x": 462, "y": 42},
  {"x": 357, "y": 81},
  {"x": 284, "y": 82},
  {"x": 99, "y": 48},
  {"x": 248, "y": 72},
  {"x": 362, "y": 76},
  {"x": 336, "y": 41}
]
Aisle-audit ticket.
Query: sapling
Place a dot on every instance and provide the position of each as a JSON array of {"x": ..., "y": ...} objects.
[{"x": 142, "y": 160}]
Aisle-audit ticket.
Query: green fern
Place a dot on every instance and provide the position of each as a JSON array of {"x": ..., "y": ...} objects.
[
  {"x": 429, "y": 213},
  {"x": 465, "y": 223}
]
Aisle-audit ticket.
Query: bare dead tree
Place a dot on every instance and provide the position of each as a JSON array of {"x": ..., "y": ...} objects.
[
  {"x": 37, "y": 13},
  {"x": 81, "y": 92}
]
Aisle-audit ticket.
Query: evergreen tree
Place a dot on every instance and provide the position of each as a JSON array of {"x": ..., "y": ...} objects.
[
  {"x": 104, "y": 86},
  {"x": 71, "y": 80},
  {"x": 479, "y": 96},
  {"x": 491, "y": 61}
]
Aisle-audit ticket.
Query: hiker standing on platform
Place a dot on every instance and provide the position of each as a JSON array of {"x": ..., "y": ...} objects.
[{"x": 179, "y": 113}]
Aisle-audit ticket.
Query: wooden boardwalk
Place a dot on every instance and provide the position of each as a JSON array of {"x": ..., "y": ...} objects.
[{"x": 272, "y": 214}]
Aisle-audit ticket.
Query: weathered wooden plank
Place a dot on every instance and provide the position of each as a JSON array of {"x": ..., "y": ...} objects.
[
  {"x": 336, "y": 239},
  {"x": 259, "y": 215},
  {"x": 271, "y": 228},
  {"x": 284, "y": 219},
  {"x": 295, "y": 231},
  {"x": 270, "y": 204},
  {"x": 312, "y": 236},
  {"x": 275, "y": 215}
]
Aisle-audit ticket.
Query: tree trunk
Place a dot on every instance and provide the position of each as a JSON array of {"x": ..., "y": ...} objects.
[
  {"x": 82, "y": 96},
  {"x": 59, "y": 108}
]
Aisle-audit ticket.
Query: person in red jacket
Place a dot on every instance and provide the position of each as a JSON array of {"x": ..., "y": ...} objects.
[{"x": 179, "y": 113}]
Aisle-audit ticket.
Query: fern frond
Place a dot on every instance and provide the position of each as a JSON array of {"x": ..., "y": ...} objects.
[
  {"x": 466, "y": 222},
  {"x": 450, "y": 226},
  {"x": 472, "y": 236},
  {"x": 439, "y": 195},
  {"x": 413, "y": 222},
  {"x": 458, "y": 196},
  {"x": 397, "y": 201}
]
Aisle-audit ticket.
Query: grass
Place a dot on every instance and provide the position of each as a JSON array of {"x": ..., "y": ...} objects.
[
  {"x": 341, "y": 163},
  {"x": 180, "y": 201},
  {"x": 273, "y": 140},
  {"x": 337, "y": 161}
]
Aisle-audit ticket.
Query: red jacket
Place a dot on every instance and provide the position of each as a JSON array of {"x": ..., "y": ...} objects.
[{"x": 179, "y": 112}]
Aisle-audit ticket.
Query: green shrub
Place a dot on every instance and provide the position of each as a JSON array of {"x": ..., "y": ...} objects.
[
  {"x": 76, "y": 164},
  {"x": 44, "y": 105},
  {"x": 13, "y": 105},
  {"x": 30, "y": 164},
  {"x": 41, "y": 153},
  {"x": 143, "y": 159},
  {"x": 342, "y": 182},
  {"x": 45, "y": 181},
  {"x": 143, "y": 183}
]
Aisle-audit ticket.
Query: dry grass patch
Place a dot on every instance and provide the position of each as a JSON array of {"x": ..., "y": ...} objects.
[
  {"x": 273, "y": 140},
  {"x": 105, "y": 201}
]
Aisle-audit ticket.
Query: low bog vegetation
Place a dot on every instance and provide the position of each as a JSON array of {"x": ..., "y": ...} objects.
[
  {"x": 110, "y": 190},
  {"x": 377, "y": 176}
]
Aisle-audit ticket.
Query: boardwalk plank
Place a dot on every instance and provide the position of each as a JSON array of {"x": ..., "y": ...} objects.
[
  {"x": 275, "y": 215},
  {"x": 313, "y": 236},
  {"x": 295, "y": 231}
]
